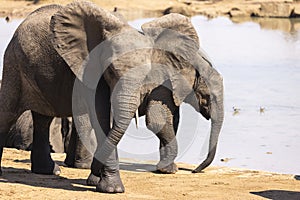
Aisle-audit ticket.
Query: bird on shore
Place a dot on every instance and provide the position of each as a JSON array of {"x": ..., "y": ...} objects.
[
  {"x": 7, "y": 19},
  {"x": 261, "y": 110},
  {"x": 236, "y": 110}
]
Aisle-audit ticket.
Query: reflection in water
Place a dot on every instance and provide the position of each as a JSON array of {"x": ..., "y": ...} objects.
[
  {"x": 291, "y": 25},
  {"x": 259, "y": 60}
]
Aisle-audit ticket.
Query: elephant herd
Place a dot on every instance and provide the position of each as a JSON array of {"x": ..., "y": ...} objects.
[{"x": 87, "y": 63}]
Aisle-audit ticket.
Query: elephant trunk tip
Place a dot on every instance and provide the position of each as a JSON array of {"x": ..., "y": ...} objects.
[
  {"x": 199, "y": 169},
  {"x": 207, "y": 161}
]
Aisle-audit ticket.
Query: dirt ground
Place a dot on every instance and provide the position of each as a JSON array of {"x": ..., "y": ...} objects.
[
  {"x": 139, "y": 179},
  {"x": 141, "y": 182}
]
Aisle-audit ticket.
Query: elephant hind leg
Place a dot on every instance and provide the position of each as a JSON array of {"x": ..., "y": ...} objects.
[
  {"x": 10, "y": 110},
  {"x": 79, "y": 153},
  {"x": 6, "y": 121},
  {"x": 41, "y": 161}
]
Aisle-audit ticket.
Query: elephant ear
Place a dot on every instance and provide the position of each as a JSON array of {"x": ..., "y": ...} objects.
[
  {"x": 78, "y": 28},
  {"x": 176, "y": 22},
  {"x": 176, "y": 39}
]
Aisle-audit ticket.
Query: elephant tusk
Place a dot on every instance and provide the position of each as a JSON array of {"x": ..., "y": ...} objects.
[
  {"x": 137, "y": 118},
  {"x": 111, "y": 118}
]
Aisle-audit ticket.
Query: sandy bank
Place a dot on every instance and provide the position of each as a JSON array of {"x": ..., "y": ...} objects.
[{"x": 18, "y": 182}]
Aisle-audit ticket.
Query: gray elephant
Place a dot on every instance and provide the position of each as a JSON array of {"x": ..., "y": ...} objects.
[{"x": 83, "y": 61}]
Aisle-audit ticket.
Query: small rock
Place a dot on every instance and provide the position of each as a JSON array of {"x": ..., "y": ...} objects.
[
  {"x": 181, "y": 10},
  {"x": 275, "y": 9},
  {"x": 237, "y": 13}
]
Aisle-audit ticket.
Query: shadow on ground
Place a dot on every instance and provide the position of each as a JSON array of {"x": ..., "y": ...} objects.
[
  {"x": 24, "y": 176},
  {"x": 278, "y": 194},
  {"x": 137, "y": 167},
  {"x": 60, "y": 163}
]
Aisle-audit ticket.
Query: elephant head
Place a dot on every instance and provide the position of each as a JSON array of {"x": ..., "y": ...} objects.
[
  {"x": 95, "y": 42},
  {"x": 175, "y": 35}
]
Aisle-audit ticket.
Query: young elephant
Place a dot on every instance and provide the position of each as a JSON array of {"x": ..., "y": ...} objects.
[{"x": 82, "y": 61}]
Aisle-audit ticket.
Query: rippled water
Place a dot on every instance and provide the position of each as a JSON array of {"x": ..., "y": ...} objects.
[{"x": 260, "y": 62}]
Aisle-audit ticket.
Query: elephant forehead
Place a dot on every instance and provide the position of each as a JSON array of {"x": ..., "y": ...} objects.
[
  {"x": 129, "y": 40},
  {"x": 132, "y": 60}
]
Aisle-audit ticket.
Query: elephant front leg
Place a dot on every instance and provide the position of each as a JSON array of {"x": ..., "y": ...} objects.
[
  {"x": 168, "y": 153},
  {"x": 41, "y": 161},
  {"x": 106, "y": 163},
  {"x": 163, "y": 121}
]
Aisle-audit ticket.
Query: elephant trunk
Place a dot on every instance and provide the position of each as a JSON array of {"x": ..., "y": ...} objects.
[
  {"x": 217, "y": 117},
  {"x": 124, "y": 103}
]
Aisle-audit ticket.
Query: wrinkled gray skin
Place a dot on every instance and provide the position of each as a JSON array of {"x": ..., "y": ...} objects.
[
  {"x": 63, "y": 139},
  {"x": 78, "y": 155},
  {"x": 21, "y": 133},
  {"x": 46, "y": 55}
]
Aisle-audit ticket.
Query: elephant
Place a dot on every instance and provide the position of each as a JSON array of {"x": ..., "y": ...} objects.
[{"x": 82, "y": 61}]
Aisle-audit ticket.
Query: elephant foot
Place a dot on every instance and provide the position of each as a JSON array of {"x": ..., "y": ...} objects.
[
  {"x": 92, "y": 180},
  {"x": 55, "y": 170},
  {"x": 167, "y": 168},
  {"x": 110, "y": 183}
]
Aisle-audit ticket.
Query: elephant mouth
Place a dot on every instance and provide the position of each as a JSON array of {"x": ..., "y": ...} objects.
[{"x": 205, "y": 112}]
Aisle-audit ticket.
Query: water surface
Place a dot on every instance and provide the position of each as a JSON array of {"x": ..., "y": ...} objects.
[{"x": 260, "y": 62}]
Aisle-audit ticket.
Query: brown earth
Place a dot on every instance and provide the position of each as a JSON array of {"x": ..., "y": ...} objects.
[
  {"x": 18, "y": 182},
  {"x": 140, "y": 182},
  {"x": 149, "y": 8}
]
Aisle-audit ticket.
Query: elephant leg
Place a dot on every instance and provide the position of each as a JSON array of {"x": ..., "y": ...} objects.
[
  {"x": 83, "y": 152},
  {"x": 10, "y": 108},
  {"x": 65, "y": 132},
  {"x": 106, "y": 162},
  {"x": 168, "y": 147},
  {"x": 78, "y": 151},
  {"x": 70, "y": 147},
  {"x": 162, "y": 118},
  {"x": 6, "y": 121},
  {"x": 41, "y": 161}
]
